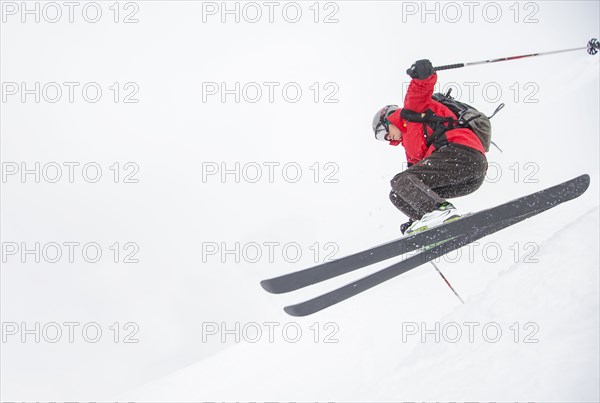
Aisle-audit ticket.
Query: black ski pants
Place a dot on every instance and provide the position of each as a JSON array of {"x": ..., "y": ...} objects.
[{"x": 452, "y": 171}]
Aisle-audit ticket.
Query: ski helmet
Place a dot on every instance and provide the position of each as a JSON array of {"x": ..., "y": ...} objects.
[{"x": 381, "y": 124}]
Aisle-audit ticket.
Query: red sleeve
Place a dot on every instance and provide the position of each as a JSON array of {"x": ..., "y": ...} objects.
[
  {"x": 417, "y": 99},
  {"x": 418, "y": 95}
]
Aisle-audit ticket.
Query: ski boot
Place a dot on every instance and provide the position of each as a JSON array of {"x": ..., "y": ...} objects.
[
  {"x": 405, "y": 226},
  {"x": 445, "y": 213}
]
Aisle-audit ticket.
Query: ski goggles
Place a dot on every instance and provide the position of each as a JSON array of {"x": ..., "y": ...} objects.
[{"x": 382, "y": 130}]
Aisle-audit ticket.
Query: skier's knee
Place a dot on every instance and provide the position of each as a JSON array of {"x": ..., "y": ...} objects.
[
  {"x": 400, "y": 182},
  {"x": 395, "y": 180},
  {"x": 477, "y": 184}
]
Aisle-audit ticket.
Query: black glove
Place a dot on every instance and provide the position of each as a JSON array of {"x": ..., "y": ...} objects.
[{"x": 420, "y": 70}]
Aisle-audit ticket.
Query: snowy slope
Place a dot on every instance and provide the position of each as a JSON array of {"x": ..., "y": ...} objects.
[
  {"x": 175, "y": 295},
  {"x": 549, "y": 355}
]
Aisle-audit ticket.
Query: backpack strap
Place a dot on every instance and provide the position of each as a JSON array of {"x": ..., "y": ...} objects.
[
  {"x": 498, "y": 109},
  {"x": 439, "y": 125},
  {"x": 496, "y": 145},
  {"x": 466, "y": 122},
  {"x": 437, "y": 136}
]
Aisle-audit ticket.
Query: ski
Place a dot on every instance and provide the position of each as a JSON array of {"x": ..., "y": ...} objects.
[
  {"x": 560, "y": 194},
  {"x": 469, "y": 224},
  {"x": 338, "y": 295}
]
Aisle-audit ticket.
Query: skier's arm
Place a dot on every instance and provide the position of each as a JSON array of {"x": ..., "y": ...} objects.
[
  {"x": 420, "y": 90},
  {"x": 418, "y": 99}
]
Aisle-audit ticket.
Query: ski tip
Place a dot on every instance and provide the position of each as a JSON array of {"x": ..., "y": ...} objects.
[
  {"x": 278, "y": 285},
  {"x": 581, "y": 183},
  {"x": 585, "y": 178},
  {"x": 293, "y": 310},
  {"x": 275, "y": 287},
  {"x": 267, "y": 285},
  {"x": 304, "y": 308}
]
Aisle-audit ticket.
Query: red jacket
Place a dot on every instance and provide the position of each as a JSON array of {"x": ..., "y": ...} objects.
[{"x": 418, "y": 99}]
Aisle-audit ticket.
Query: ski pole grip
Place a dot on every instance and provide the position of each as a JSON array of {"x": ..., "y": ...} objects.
[{"x": 449, "y": 66}]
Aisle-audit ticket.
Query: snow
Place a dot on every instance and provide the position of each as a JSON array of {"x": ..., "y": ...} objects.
[
  {"x": 549, "y": 355},
  {"x": 557, "y": 305},
  {"x": 205, "y": 329}
]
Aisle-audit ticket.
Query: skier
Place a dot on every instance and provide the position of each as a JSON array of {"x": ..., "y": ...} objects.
[{"x": 443, "y": 162}]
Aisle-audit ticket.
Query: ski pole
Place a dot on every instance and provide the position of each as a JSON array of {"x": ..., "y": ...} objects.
[
  {"x": 592, "y": 48},
  {"x": 447, "y": 282}
]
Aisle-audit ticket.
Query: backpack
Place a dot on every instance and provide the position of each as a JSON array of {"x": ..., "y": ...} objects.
[{"x": 467, "y": 117}]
